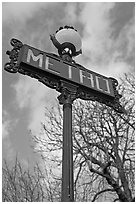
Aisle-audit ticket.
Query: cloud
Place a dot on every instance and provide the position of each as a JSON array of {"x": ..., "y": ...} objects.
[
  {"x": 5, "y": 129},
  {"x": 34, "y": 96},
  {"x": 34, "y": 21},
  {"x": 20, "y": 11},
  {"x": 102, "y": 52},
  {"x": 6, "y": 124},
  {"x": 8, "y": 151},
  {"x": 26, "y": 91},
  {"x": 21, "y": 20},
  {"x": 125, "y": 42},
  {"x": 71, "y": 13},
  {"x": 96, "y": 31}
]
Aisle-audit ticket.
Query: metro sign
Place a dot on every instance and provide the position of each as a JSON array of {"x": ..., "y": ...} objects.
[
  {"x": 34, "y": 59},
  {"x": 54, "y": 72}
]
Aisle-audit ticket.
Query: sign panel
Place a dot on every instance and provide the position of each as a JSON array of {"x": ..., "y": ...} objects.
[{"x": 39, "y": 60}]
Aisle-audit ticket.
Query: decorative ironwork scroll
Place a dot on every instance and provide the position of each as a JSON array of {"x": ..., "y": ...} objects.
[
  {"x": 74, "y": 91},
  {"x": 13, "y": 66}
]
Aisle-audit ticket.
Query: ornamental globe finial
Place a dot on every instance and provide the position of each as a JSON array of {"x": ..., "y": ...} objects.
[{"x": 67, "y": 40}]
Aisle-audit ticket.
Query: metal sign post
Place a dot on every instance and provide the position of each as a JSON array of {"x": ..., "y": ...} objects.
[
  {"x": 72, "y": 81},
  {"x": 66, "y": 98}
]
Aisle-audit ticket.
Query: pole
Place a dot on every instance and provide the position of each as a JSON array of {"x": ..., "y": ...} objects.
[
  {"x": 67, "y": 158},
  {"x": 68, "y": 95}
]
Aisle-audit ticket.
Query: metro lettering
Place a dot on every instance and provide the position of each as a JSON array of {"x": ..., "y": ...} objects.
[
  {"x": 81, "y": 76},
  {"x": 70, "y": 71},
  {"x": 91, "y": 79},
  {"x": 107, "y": 85},
  {"x": 87, "y": 78},
  {"x": 34, "y": 58},
  {"x": 49, "y": 65}
]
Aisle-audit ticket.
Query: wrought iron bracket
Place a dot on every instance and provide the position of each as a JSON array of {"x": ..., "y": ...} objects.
[{"x": 69, "y": 92}]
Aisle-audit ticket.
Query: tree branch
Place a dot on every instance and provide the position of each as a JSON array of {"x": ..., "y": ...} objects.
[
  {"x": 103, "y": 191},
  {"x": 105, "y": 173}
]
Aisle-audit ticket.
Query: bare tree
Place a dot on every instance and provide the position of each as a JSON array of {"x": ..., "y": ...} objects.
[
  {"x": 22, "y": 185},
  {"x": 105, "y": 139},
  {"x": 103, "y": 149},
  {"x": 103, "y": 145}
]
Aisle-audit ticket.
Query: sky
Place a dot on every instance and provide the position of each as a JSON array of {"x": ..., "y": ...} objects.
[{"x": 108, "y": 45}]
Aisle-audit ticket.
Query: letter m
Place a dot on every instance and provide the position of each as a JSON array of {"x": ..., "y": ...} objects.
[{"x": 38, "y": 58}]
